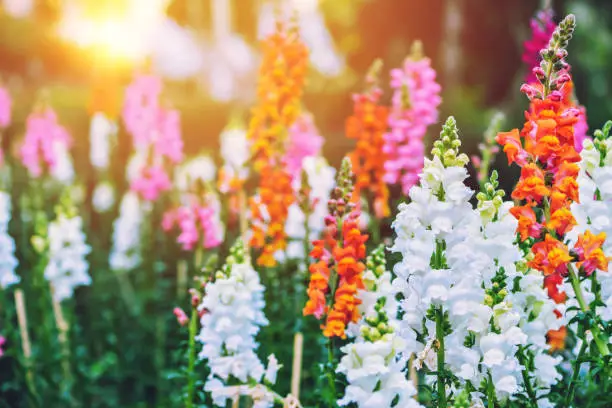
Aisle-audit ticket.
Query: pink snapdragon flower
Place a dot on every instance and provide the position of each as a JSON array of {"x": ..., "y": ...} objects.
[
  {"x": 156, "y": 132},
  {"x": 414, "y": 107},
  {"x": 197, "y": 223},
  {"x": 151, "y": 182},
  {"x": 542, "y": 28},
  {"x": 40, "y": 146},
  {"x": 5, "y": 107},
  {"x": 304, "y": 141},
  {"x": 141, "y": 108}
]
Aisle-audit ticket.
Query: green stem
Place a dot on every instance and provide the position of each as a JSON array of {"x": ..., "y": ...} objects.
[
  {"x": 191, "y": 355},
  {"x": 602, "y": 345},
  {"x": 440, "y": 339},
  {"x": 331, "y": 378},
  {"x": 572, "y": 385},
  {"x": 491, "y": 392},
  {"x": 526, "y": 380}
]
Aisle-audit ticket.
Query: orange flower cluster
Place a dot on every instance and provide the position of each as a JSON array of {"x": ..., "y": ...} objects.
[
  {"x": 545, "y": 149},
  {"x": 337, "y": 272},
  {"x": 269, "y": 211},
  {"x": 368, "y": 125},
  {"x": 281, "y": 81}
]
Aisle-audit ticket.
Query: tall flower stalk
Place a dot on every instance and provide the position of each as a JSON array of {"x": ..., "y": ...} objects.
[
  {"x": 546, "y": 151},
  {"x": 280, "y": 86},
  {"x": 336, "y": 274}
]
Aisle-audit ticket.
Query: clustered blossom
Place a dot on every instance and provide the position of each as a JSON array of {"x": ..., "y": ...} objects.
[
  {"x": 101, "y": 131},
  {"x": 594, "y": 212},
  {"x": 156, "y": 133},
  {"x": 416, "y": 97},
  {"x": 46, "y": 145},
  {"x": 280, "y": 85},
  {"x": 304, "y": 141},
  {"x": 336, "y": 274},
  {"x": 457, "y": 279},
  {"x": 307, "y": 216},
  {"x": 367, "y": 125},
  {"x": 546, "y": 149},
  {"x": 67, "y": 249},
  {"x": 542, "y": 28},
  {"x": 199, "y": 223},
  {"x": 126, "y": 250},
  {"x": 376, "y": 376},
  {"x": 5, "y": 107},
  {"x": 233, "y": 304},
  {"x": 8, "y": 261}
]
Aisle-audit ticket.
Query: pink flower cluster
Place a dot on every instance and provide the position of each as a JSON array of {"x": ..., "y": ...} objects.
[
  {"x": 154, "y": 130},
  {"x": 304, "y": 141},
  {"x": 197, "y": 224},
  {"x": 38, "y": 151},
  {"x": 5, "y": 107},
  {"x": 542, "y": 28},
  {"x": 415, "y": 102}
]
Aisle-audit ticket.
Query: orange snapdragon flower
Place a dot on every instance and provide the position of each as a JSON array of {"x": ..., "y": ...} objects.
[
  {"x": 550, "y": 256},
  {"x": 368, "y": 125},
  {"x": 589, "y": 252},
  {"x": 337, "y": 273},
  {"x": 280, "y": 86}
]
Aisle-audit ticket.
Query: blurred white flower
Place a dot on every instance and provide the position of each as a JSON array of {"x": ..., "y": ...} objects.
[
  {"x": 100, "y": 132},
  {"x": 103, "y": 197},
  {"x": 67, "y": 266},
  {"x": 8, "y": 261}
]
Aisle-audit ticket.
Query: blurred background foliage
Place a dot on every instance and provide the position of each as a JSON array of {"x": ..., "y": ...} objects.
[{"x": 129, "y": 360}]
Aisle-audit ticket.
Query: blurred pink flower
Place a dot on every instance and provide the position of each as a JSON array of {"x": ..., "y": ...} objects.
[
  {"x": 580, "y": 129},
  {"x": 304, "y": 141},
  {"x": 156, "y": 131},
  {"x": 181, "y": 316},
  {"x": 151, "y": 182},
  {"x": 141, "y": 106},
  {"x": 43, "y": 132},
  {"x": 196, "y": 223},
  {"x": 5, "y": 108},
  {"x": 542, "y": 28},
  {"x": 414, "y": 107}
]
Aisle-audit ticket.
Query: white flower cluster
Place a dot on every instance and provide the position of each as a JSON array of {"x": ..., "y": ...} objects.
[
  {"x": 8, "y": 262},
  {"x": 321, "y": 179},
  {"x": 457, "y": 279},
  {"x": 100, "y": 132},
  {"x": 232, "y": 309},
  {"x": 376, "y": 375},
  {"x": 594, "y": 213},
  {"x": 235, "y": 153},
  {"x": 67, "y": 266},
  {"x": 125, "y": 253},
  {"x": 200, "y": 169}
]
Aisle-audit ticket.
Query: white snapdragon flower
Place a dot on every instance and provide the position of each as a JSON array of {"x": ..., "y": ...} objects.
[
  {"x": 63, "y": 170},
  {"x": 199, "y": 169},
  {"x": 233, "y": 315},
  {"x": 67, "y": 266},
  {"x": 103, "y": 197},
  {"x": 8, "y": 261},
  {"x": 101, "y": 130},
  {"x": 235, "y": 152},
  {"x": 371, "y": 363},
  {"x": 461, "y": 263},
  {"x": 321, "y": 179},
  {"x": 125, "y": 253}
]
